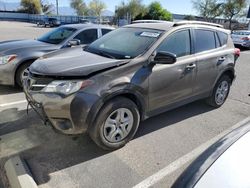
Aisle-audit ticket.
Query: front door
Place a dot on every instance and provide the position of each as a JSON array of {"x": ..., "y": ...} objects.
[{"x": 169, "y": 84}]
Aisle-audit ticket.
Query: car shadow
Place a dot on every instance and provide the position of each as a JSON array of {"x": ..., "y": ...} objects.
[
  {"x": 53, "y": 152},
  {"x": 9, "y": 90}
]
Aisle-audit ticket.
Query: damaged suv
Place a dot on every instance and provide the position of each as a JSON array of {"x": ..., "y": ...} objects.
[{"x": 129, "y": 75}]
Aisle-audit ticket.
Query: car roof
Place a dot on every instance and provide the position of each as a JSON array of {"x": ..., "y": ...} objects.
[{"x": 82, "y": 26}]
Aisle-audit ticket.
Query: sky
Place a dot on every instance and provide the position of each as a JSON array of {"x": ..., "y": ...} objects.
[{"x": 174, "y": 6}]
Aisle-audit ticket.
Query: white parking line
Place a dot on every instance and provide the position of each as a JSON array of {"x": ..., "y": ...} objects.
[
  {"x": 13, "y": 103},
  {"x": 150, "y": 181}
]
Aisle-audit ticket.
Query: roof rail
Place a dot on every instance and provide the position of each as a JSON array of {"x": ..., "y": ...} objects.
[
  {"x": 197, "y": 22},
  {"x": 150, "y": 21}
]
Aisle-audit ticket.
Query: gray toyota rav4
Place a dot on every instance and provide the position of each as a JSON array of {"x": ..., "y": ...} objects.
[{"x": 129, "y": 75}]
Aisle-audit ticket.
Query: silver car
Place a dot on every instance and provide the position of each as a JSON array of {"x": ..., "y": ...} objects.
[
  {"x": 241, "y": 38},
  {"x": 17, "y": 55}
]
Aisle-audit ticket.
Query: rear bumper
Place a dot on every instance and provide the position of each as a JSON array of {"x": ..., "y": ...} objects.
[
  {"x": 7, "y": 74},
  {"x": 243, "y": 44},
  {"x": 66, "y": 114}
]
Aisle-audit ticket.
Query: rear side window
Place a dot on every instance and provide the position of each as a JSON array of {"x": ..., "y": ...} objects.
[
  {"x": 87, "y": 36},
  {"x": 177, "y": 43},
  {"x": 105, "y": 31},
  {"x": 223, "y": 38},
  {"x": 204, "y": 40}
]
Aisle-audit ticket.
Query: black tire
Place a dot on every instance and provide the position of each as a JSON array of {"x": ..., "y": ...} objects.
[
  {"x": 96, "y": 131},
  {"x": 19, "y": 73},
  {"x": 212, "y": 99}
]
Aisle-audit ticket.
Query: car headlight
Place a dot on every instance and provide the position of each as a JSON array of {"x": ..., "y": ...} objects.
[
  {"x": 66, "y": 87},
  {"x": 7, "y": 58}
]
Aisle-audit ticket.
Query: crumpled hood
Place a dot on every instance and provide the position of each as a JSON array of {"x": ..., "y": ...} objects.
[
  {"x": 72, "y": 62},
  {"x": 20, "y": 45}
]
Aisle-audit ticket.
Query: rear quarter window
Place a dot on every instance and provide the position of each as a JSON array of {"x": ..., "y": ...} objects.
[{"x": 223, "y": 38}]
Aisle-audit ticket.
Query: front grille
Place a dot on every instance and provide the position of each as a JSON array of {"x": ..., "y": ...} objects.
[{"x": 37, "y": 83}]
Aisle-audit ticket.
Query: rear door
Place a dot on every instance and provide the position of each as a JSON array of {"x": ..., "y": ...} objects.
[{"x": 210, "y": 51}]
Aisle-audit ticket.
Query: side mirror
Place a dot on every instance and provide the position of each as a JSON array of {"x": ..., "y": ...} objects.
[
  {"x": 73, "y": 42},
  {"x": 164, "y": 58}
]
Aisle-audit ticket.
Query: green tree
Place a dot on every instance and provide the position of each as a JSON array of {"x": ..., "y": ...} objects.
[
  {"x": 135, "y": 7},
  {"x": 46, "y": 7},
  {"x": 189, "y": 17},
  {"x": 234, "y": 8},
  {"x": 157, "y": 12},
  {"x": 96, "y": 7},
  {"x": 121, "y": 10},
  {"x": 31, "y": 6},
  {"x": 80, "y": 7},
  {"x": 208, "y": 9}
]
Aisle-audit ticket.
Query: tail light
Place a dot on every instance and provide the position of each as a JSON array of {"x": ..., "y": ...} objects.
[
  {"x": 245, "y": 39},
  {"x": 236, "y": 54}
]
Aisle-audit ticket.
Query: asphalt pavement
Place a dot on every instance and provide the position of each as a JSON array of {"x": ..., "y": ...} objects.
[{"x": 168, "y": 141}]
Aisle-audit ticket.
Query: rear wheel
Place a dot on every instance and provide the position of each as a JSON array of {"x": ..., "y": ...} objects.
[
  {"x": 22, "y": 73},
  {"x": 116, "y": 124},
  {"x": 220, "y": 92}
]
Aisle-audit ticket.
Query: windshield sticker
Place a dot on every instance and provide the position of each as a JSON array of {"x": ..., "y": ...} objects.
[{"x": 149, "y": 34}]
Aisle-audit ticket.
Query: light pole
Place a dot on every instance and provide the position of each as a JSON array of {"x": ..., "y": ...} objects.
[
  {"x": 4, "y": 6},
  {"x": 57, "y": 7},
  {"x": 248, "y": 17}
]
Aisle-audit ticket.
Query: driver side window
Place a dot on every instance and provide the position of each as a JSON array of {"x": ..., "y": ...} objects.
[
  {"x": 177, "y": 43},
  {"x": 87, "y": 36}
]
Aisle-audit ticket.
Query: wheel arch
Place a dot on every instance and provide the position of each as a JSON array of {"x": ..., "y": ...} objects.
[
  {"x": 134, "y": 96},
  {"x": 230, "y": 72},
  {"x": 29, "y": 60}
]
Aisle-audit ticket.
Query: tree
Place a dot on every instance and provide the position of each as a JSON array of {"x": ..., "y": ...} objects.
[
  {"x": 132, "y": 10},
  {"x": 97, "y": 6},
  {"x": 208, "y": 9},
  {"x": 46, "y": 7},
  {"x": 80, "y": 7},
  {"x": 189, "y": 17},
  {"x": 157, "y": 12},
  {"x": 122, "y": 10},
  {"x": 135, "y": 8},
  {"x": 233, "y": 8},
  {"x": 31, "y": 6}
]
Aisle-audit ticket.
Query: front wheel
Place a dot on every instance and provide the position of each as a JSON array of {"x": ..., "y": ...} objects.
[
  {"x": 220, "y": 92},
  {"x": 116, "y": 124},
  {"x": 22, "y": 73}
]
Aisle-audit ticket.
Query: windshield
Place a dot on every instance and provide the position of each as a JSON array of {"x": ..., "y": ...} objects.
[
  {"x": 57, "y": 36},
  {"x": 125, "y": 43}
]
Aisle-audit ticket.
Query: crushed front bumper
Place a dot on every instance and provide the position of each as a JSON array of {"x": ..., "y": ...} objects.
[{"x": 66, "y": 114}]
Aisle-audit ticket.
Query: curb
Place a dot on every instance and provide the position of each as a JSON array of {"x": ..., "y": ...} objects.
[{"x": 18, "y": 174}]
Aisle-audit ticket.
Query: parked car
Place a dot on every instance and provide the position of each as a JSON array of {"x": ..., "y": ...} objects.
[
  {"x": 224, "y": 164},
  {"x": 241, "y": 38},
  {"x": 50, "y": 22},
  {"x": 85, "y": 21},
  {"x": 17, "y": 55},
  {"x": 129, "y": 75}
]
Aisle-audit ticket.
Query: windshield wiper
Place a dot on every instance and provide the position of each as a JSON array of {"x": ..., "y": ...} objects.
[
  {"x": 98, "y": 52},
  {"x": 102, "y": 53}
]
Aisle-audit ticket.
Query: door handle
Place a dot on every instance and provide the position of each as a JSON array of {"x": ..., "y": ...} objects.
[
  {"x": 190, "y": 66},
  {"x": 221, "y": 60}
]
